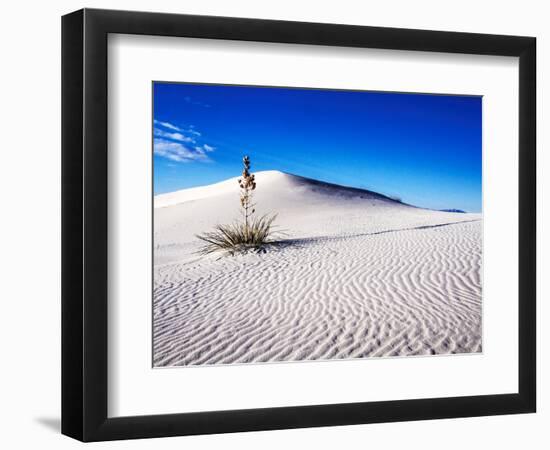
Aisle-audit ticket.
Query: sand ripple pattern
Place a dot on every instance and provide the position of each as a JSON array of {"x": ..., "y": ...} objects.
[{"x": 410, "y": 291}]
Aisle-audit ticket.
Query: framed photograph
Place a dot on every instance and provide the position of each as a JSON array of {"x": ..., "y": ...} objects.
[{"x": 273, "y": 224}]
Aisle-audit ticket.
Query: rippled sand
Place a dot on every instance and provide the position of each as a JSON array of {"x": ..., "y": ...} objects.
[{"x": 361, "y": 276}]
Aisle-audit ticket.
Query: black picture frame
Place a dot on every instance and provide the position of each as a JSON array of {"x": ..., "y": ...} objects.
[{"x": 84, "y": 224}]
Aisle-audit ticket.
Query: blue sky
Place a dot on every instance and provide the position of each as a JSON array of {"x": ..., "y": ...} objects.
[{"x": 424, "y": 149}]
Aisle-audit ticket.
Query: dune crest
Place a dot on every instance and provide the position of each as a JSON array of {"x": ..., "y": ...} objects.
[{"x": 271, "y": 181}]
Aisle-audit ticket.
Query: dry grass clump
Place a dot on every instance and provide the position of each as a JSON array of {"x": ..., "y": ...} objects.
[{"x": 238, "y": 237}]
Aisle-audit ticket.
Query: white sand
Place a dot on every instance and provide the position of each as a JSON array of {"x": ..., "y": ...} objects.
[{"x": 364, "y": 276}]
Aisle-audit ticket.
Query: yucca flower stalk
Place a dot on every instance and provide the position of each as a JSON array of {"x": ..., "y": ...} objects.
[
  {"x": 247, "y": 184},
  {"x": 253, "y": 233}
]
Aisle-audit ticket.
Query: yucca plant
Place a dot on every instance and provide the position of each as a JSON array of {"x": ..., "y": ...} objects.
[
  {"x": 237, "y": 237},
  {"x": 253, "y": 233}
]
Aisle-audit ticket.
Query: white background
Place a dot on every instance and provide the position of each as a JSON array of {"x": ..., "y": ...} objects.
[
  {"x": 138, "y": 390},
  {"x": 31, "y": 208}
]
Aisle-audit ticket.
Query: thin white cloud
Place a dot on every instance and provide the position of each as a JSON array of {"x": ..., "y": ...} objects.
[
  {"x": 191, "y": 130},
  {"x": 179, "y": 144},
  {"x": 176, "y": 136},
  {"x": 205, "y": 148},
  {"x": 168, "y": 125},
  {"x": 194, "y": 102},
  {"x": 178, "y": 152}
]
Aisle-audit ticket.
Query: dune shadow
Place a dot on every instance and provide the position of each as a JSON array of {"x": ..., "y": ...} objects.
[
  {"x": 303, "y": 242},
  {"x": 282, "y": 243}
]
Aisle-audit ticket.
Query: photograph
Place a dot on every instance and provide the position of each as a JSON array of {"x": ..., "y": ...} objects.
[{"x": 296, "y": 224}]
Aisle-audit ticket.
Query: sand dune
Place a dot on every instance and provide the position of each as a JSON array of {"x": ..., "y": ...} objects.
[{"x": 362, "y": 275}]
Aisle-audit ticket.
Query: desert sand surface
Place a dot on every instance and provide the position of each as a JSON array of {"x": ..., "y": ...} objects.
[{"x": 358, "y": 275}]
